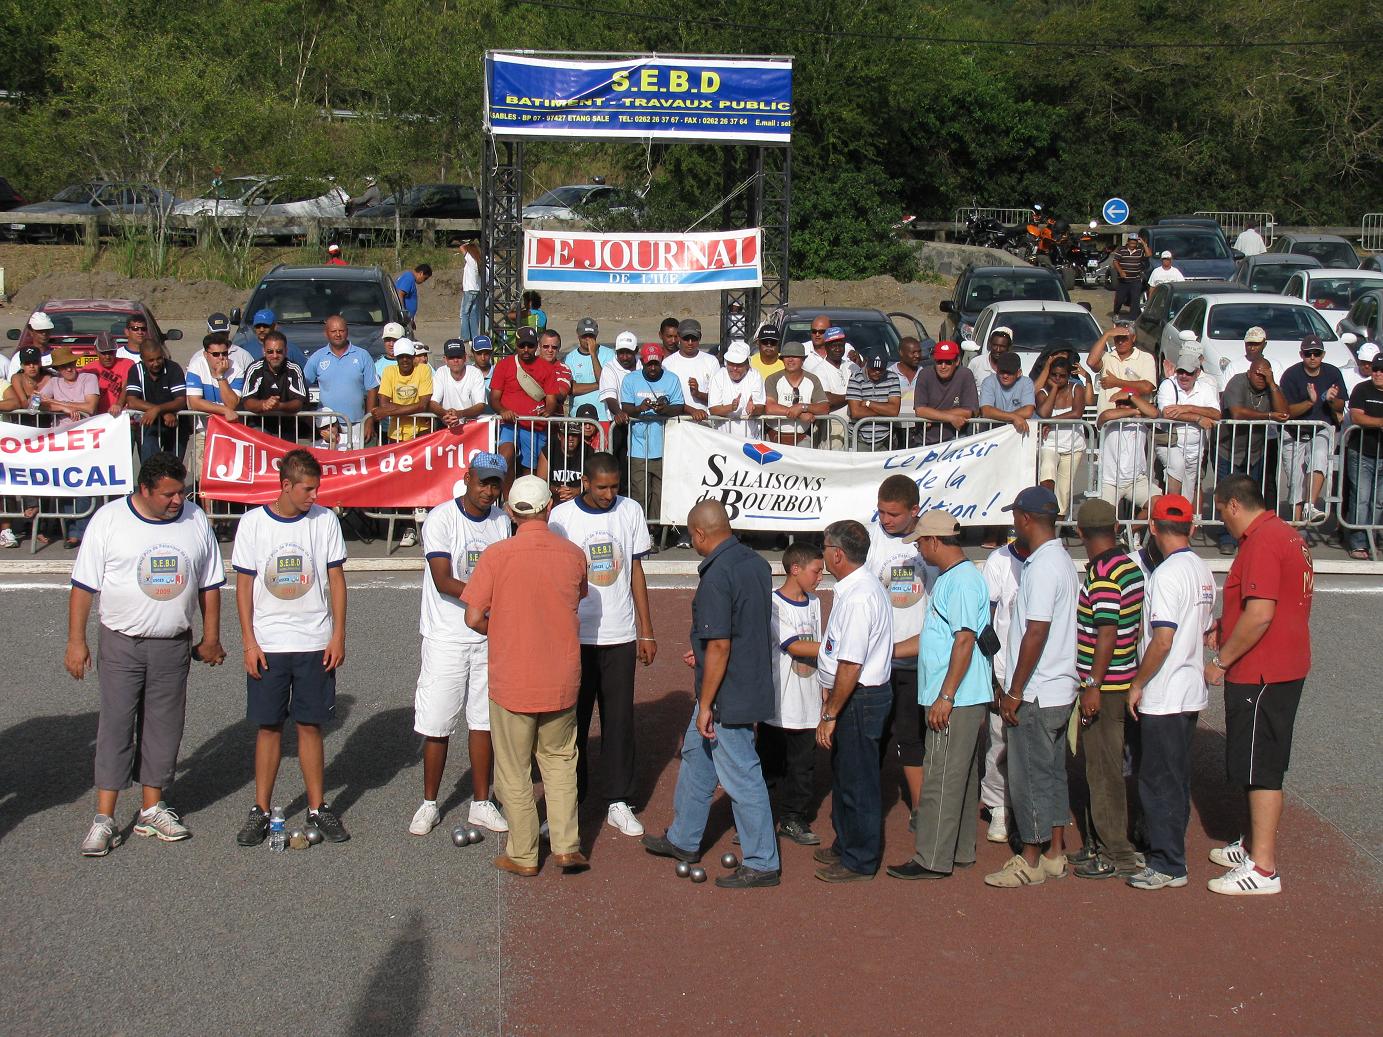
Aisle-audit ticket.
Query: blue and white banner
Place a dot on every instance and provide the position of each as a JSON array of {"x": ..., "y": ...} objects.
[
  {"x": 769, "y": 486},
  {"x": 578, "y": 262},
  {"x": 88, "y": 459},
  {"x": 671, "y": 98}
]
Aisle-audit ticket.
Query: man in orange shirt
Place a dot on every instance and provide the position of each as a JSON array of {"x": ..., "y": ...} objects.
[{"x": 535, "y": 674}]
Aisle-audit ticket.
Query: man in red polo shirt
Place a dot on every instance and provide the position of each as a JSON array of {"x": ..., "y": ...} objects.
[
  {"x": 1264, "y": 642},
  {"x": 112, "y": 371},
  {"x": 523, "y": 386}
]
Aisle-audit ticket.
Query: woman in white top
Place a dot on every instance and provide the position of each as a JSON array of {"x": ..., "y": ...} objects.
[
  {"x": 470, "y": 291},
  {"x": 1060, "y": 397}
]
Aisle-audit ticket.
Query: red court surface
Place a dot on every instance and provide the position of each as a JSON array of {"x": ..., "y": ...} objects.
[{"x": 630, "y": 948}]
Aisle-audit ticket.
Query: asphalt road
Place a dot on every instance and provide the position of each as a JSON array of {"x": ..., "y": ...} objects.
[{"x": 389, "y": 933}]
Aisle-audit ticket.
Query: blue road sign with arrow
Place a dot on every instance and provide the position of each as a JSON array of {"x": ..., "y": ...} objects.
[{"x": 1115, "y": 211}]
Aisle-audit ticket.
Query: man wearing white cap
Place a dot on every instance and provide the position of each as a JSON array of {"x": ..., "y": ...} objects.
[
  {"x": 737, "y": 393},
  {"x": 393, "y": 331},
  {"x": 405, "y": 390},
  {"x": 40, "y": 327},
  {"x": 334, "y": 255},
  {"x": 611, "y": 379},
  {"x": 1165, "y": 272}
]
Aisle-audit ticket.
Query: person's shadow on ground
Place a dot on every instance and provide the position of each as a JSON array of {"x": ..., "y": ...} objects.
[
  {"x": 372, "y": 756},
  {"x": 45, "y": 762},
  {"x": 393, "y": 1000}
]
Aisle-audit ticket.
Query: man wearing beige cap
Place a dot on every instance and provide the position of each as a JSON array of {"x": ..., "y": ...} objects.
[
  {"x": 535, "y": 674},
  {"x": 1255, "y": 341}
]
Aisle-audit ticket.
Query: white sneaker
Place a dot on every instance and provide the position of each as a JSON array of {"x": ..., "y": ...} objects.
[
  {"x": 1245, "y": 881},
  {"x": 620, "y": 816},
  {"x": 419, "y": 515},
  {"x": 101, "y": 837},
  {"x": 409, "y": 538},
  {"x": 425, "y": 820},
  {"x": 543, "y": 832},
  {"x": 1230, "y": 856},
  {"x": 485, "y": 814},
  {"x": 998, "y": 825},
  {"x": 8, "y": 539},
  {"x": 164, "y": 824}
]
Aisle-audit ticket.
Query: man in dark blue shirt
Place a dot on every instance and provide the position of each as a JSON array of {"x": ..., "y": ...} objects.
[
  {"x": 1314, "y": 391},
  {"x": 731, "y": 623}
]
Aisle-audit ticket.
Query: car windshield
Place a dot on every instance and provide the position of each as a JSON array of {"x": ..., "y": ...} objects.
[
  {"x": 426, "y": 195},
  {"x": 1182, "y": 293},
  {"x": 866, "y": 337},
  {"x": 75, "y": 193},
  {"x": 233, "y": 189},
  {"x": 1035, "y": 331},
  {"x": 1339, "y": 293},
  {"x": 311, "y": 302},
  {"x": 1330, "y": 253},
  {"x": 1272, "y": 277},
  {"x": 567, "y": 196},
  {"x": 1230, "y": 320},
  {"x": 85, "y": 322},
  {"x": 1189, "y": 243},
  {"x": 984, "y": 289}
]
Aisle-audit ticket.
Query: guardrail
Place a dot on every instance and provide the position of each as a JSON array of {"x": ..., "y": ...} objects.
[
  {"x": 1235, "y": 223},
  {"x": 89, "y": 228},
  {"x": 37, "y": 514},
  {"x": 1371, "y": 232}
]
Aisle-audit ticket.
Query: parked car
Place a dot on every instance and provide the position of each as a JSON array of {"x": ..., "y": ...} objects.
[
  {"x": 1268, "y": 271},
  {"x": 869, "y": 332},
  {"x": 978, "y": 286},
  {"x": 1373, "y": 261},
  {"x": 1164, "y": 303},
  {"x": 1331, "y": 249},
  {"x": 423, "y": 202},
  {"x": 1365, "y": 318},
  {"x": 243, "y": 201},
  {"x": 9, "y": 197},
  {"x": 1198, "y": 247},
  {"x": 1219, "y": 322},
  {"x": 1332, "y": 292},
  {"x": 99, "y": 198},
  {"x": 303, "y": 297},
  {"x": 79, "y": 323},
  {"x": 581, "y": 202},
  {"x": 1037, "y": 327}
]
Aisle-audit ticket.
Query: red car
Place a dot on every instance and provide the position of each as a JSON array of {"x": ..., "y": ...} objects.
[{"x": 79, "y": 323}]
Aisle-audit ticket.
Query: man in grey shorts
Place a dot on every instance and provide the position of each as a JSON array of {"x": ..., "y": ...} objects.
[{"x": 153, "y": 559}]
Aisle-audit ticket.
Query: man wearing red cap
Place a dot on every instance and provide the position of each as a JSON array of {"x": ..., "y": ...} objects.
[
  {"x": 1169, "y": 691},
  {"x": 945, "y": 395}
]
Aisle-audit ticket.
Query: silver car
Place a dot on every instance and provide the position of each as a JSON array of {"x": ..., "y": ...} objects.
[{"x": 99, "y": 198}]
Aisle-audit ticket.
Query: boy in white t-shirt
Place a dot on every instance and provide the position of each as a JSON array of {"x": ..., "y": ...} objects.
[
  {"x": 455, "y": 675},
  {"x": 290, "y": 591},
  {"x": 787, "y": 743}
]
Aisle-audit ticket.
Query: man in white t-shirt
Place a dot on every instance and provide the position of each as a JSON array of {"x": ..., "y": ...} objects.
[
  {"x": 1169, "y": 691},
  {"x": 1041, "y": 671},
  {"x": 616, "y": 629},
  {"x": 153, "y": 559},
  {"x": 1001, "y": 571},
  {"x": 1165, "y": 273},
  {"x": 737, "y": 393},
  {"x": 693, "y": 368},
  {"x": 290, "y": 591},
  {"x": 612, "y": 416},
  {"x": 458, "y": 390},
  {"x": 454, "y": 677}
]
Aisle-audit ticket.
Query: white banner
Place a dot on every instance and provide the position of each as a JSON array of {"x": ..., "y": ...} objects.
[
  {"x": 773, "y": 487},
  {"x": 579, "y": 262},
  {"x": 89, "y": 459}
]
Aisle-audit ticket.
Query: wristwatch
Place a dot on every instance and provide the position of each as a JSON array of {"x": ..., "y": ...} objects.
[
  {"x": 947, "y": 698},
  {"x": 828, "y": 717},
  {"x": 1215, "y": 662}
]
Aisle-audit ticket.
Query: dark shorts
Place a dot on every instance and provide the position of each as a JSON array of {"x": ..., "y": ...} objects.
[
  {"x": 1258, "y": 732},
  {"x": 296, "y": 683},
  {"x": 906, "y": 721}
]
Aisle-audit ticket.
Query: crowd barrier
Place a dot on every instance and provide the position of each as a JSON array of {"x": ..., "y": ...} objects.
[{"x": 32, "y": 517}]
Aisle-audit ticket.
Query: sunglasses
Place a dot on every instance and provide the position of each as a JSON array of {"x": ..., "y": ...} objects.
[
  {"x": 135, "y": 327},
  {"x": 222, "y": 353},
  {"x": 1313, "y": 352},
  {"x": 939, "y": 362},
  {"x": 816, "y": 332},
  {"x": 691, "y": 338}
]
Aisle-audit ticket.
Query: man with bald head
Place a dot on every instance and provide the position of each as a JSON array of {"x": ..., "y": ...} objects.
[
  {"x": 349, "y": 385},
  {"x": 730, "y": 636}
]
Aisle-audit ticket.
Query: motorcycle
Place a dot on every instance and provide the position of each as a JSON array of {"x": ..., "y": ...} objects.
[
  {"x": 983, "y": 231},
  {"x": 1086, "y": 257}
]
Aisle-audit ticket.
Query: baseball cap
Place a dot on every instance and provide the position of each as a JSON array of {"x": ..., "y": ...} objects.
[
  {"x": 650, "y": 351},
  {"x": 1165, "y": 255},
  {"x": 1189, "y": 360},
  {"x": 1035, "y": 500},
  {"x": 453, "y": 347},
  {"x": 1312, "y": 342},
  {"x": 40, "y": 321},
  {"x": 1172, "y": 507},
  {"x": 526, "y": 337},
  {"x": 689, "y": 327},
  {"x": 876, "y": 362},
  {"x": 586, "y": 410},
  {"x": 333, "y": 248},
  {"x": 793, "y": 349},
  {"x": 61, "y": 357},
  {"x": 31, "y": 355},
  {"x": 266, "y": 318},
  {"x": 769, "y": 332},
  {"x": 1255, "y": 334},
  {"x": 489, "y": 466},
  {"x": 218, "y": 322},
  {"x": 626, "y": 340},
  {"x": 1368, "y": 352},
  {"x": 934, "y": 523},
  {"x": 1008, "y": 363},
  {"x": 405, "y": 347},
  {"x": 391, "y": 330},
  {"x": 737, "y": 352},
  {"x": 1002, "y": 329},
  {"x": 945, "y": 350},
  {"x": 1096, "y": 513},
  {"x": 833, "y": 334},
  {"x": 587, "y": 326},
  {"x": 529, "y": 495},
  {"x": 482, "y": 344}
]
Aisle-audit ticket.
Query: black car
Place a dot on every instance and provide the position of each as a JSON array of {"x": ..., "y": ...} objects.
[
  {"x": 1166, "y": 302},
  {"x": 869, "y": 332},
  {"x": 423, "y": 202},
  {"x": 9, "y": 197},
  {"x": 303, "y": 297},
  {"x": 1365, "y": 317},
  {"x": 978, "y": 286}
]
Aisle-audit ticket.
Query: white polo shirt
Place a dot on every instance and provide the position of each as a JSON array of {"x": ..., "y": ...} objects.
[
  {"x": 289, "y": 559},
  {"x": 1001, "y": 571},
  {"x": 611, "y": 541},
  {"x": 860, "y": 630},
  {"x": 1180, "y": 595},
  {"x": 1047, "y": 591},
  {"x": 452, "y": 532},
  {"x": 905, "y": 578}
]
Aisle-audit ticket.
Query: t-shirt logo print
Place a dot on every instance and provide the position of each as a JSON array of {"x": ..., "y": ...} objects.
[
  {"x": 804, "y": 667},
  {"x": 163, "y": 572},
  {"x": 901, "y": 581},
  {"x": 603, "y": 561},
  {"x": 288, "y": 576}
]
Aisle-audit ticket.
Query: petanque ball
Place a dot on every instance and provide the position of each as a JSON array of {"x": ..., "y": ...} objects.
[
  {"x": 683, "y": 869},
  {"x": 297, "y": 839},
  {"x": 460, "y": 837},
  {"x": 474, "y": 835},
  {"x": 729, "y": 860},
  {"x": 698, "y": 874},
  {"x": 314, "y": 835}
]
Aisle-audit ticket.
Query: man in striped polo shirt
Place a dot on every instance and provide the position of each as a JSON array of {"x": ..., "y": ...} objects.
[
  {"x": 1109, "y": 611},
  {"x": 874, "y": 391}
]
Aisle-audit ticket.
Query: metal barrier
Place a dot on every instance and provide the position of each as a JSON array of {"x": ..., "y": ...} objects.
[
  {"x": 43, "y": 513},
  {"x": 1235, "y": 223},
  {"x": 1067, "y": 462},
  {"x": 1360, "y": 511},
  {"x": 1008, "y": 217},
  {"x": 1371, "y": 232}
]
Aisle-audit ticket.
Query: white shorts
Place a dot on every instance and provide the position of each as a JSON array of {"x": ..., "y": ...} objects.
[
  {"x": 1139, "y": 491},
  {"x": 455, "y": 676}
]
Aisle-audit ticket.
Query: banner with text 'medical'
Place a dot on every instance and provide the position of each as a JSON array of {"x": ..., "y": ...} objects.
[
  {"x": 768, "y": 486},
  {"x": 561, "y": 261},
  {"x": 684, "y": 97},
  {"x": 89, "y": 458}
]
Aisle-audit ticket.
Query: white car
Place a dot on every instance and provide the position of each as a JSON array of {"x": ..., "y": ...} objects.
[
  {"x": 1332, "y": 290},
  {"x": 252, "y": 198},
  {"x": 1218, "y": 322},
  {"x": 1037, "y": 326}
]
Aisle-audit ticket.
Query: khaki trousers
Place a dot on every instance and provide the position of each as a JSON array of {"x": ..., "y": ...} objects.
[{"x": 517, "y": 739}]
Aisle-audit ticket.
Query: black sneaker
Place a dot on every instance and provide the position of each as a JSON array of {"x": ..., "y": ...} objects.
[
  {"x": 329, "y": 823},
  {"x": 798, "y": 831},
  {"x": 747, "y": 878},
  {"x": 662, "y": 846},
  {"x": 255, "y": 829}
]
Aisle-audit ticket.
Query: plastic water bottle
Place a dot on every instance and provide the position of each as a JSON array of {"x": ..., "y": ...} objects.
[{"x": 278, "y": 839}]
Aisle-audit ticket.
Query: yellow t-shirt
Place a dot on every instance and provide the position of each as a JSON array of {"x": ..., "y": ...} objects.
[
  {"x": 764, "y": 369},
  {"x": 402, "y": 390}
]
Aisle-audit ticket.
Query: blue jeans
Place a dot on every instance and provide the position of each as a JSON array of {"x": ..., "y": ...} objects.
[
  {"x": 730, "y": 759},
  {"x": 1164, "y": 788},
  {"x": 857, "y": 809},
  {"x": 72, "y": 506},
  {"x": 1225, "y": 468},
  {"x": 1037, "y": 771},
  {"x": 470, "y": 315},
  {"x": 1363, "y": 495}
]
